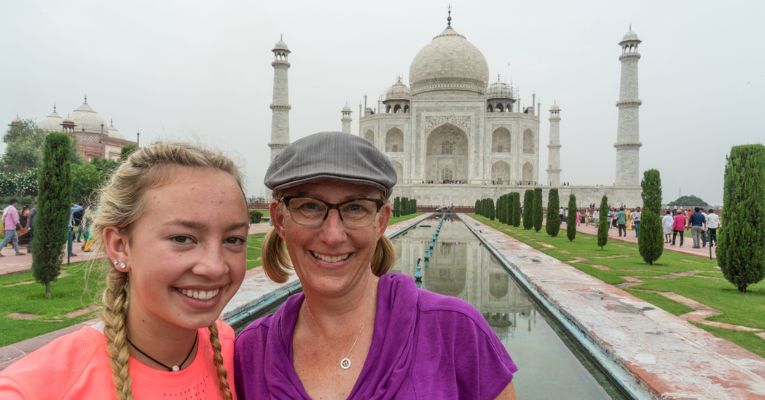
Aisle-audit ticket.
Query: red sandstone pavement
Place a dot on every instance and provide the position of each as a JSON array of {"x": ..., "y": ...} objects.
[
  {"x": 12, "y": 263},
  {"x": 666, "y": 354},
  {"x": 687, "y": 246}
]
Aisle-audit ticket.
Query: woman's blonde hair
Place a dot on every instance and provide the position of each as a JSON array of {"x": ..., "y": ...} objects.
[
  {"x": 121, "y": 204},
  {"x": 276, "y": 260}
]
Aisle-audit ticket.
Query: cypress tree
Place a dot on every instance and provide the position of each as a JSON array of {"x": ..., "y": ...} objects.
[
  {"x": 477, "y": 207},
  {"x": 490, "y": 206},
  {"x": 500, "y": 210},
  {"x": 650, "y": 237},
  {"x": 53, "y": 205},
  {"x": 741, "y": 248},
  {"x": 396, "y": 207},
  {"x": 571, "y": 221},
  {"x": 553, "y": 218},
  {"x": 538, "y": 209},
  {"x": 603, "y": 223},
  {"x": 528, "y": 209},
  {"x": 509, "y": 208},
  {"x": 516, "y": 209}
]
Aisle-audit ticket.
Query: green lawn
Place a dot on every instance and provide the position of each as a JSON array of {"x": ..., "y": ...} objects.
[
  {"x": 78, "y": 288},
  {"x": 706, "y": 285}
]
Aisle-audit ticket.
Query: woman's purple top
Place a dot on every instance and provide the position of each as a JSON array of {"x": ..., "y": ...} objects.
[{"x": 425, "y": 346}]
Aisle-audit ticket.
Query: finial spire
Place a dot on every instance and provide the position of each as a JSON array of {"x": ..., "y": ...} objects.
[
  {"x": 449, "y": 18},
  {"x": 54, "y": 107},
  {"x": 630, "y": 27},
  {"x": 86, "y": 98}
]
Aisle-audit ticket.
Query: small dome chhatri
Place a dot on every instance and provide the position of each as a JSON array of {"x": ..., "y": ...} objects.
[
  {"x": 449, "y": 63},
  {"x": 52, "y": 122},
  {"x": 399, "y": 91},
  {"x": 499, "y": 90}
]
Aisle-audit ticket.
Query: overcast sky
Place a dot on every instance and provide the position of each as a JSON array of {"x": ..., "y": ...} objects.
[{"x": 201, "y": 71}]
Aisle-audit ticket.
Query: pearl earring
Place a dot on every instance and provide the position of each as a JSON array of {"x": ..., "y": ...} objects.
[{"x": 120, "y": 264}]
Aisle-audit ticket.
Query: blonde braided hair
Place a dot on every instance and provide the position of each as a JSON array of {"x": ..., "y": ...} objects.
[
  {"x": 218, "y": 357},
  {"x": 121, "y": 203}
]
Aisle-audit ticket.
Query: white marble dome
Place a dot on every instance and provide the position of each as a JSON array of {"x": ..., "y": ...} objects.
[
  {"x": 52, "y": 122},
  {"x": 499, "y": 90},
  {"x": 399, "y": 91},
  {"x": 280, "y": 45},
  {"x": 449, "y": 63},
  {"x": 113, "y": 132},
  {"x": 630, "y": 37},
  {"x": 85, "y": 118}
]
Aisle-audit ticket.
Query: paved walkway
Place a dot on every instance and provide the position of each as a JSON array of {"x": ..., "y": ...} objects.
[
  {"x": 613, "y": 233},
  {"x": 671, "y": 357},
  {"x": 256, "y": 287}
]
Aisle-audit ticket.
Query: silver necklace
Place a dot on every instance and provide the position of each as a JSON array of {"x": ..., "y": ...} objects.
[{"x": 345, "y": 362}]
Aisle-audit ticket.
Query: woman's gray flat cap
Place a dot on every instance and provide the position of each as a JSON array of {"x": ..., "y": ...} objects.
[{"x": 331, "y": 155}]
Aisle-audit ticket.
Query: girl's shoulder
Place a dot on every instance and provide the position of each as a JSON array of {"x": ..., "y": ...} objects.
[{"x": 57, "y": 367}]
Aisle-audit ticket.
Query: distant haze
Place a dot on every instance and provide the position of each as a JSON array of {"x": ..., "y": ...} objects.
[{"x": 201, "y": 71}]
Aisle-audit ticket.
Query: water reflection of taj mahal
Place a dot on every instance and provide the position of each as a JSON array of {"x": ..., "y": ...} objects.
[{"x": 460, "y": 267}]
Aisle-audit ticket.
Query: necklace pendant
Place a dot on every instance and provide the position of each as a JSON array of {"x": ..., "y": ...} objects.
[
  {"x": 345, "y": 363},
  {"x": 176, "y": 368}
]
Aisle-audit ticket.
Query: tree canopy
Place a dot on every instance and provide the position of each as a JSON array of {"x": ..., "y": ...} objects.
[{"x": 688, "y": 201}]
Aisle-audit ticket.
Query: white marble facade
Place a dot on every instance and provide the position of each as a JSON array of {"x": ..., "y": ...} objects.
[{"x": 454, "y": 137}]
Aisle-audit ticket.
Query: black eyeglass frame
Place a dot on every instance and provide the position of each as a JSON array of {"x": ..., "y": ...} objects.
[{"x": 332, "y": 206}]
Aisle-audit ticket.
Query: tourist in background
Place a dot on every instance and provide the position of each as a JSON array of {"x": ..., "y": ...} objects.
[
  {"x": 173, "y": 223},
  {"x": 636, "y": 221},
  {"x": 330, "y": 211},
  {"x": 666, "y": 222},
  {"x": 23, "y": 231},
  {"x": 10, "y": 226},
  {"x": 678, "y": 227},
  {"x": 713, "y": 223},
  {"x": 621, "y": 222},
  {"x": 697, "y": 227}
]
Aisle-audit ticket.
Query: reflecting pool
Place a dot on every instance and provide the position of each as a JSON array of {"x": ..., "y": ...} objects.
[{"x": 460, "y": 266}]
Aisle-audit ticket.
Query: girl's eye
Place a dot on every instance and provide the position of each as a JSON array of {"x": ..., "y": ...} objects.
[{"x": 180, "y": 239}]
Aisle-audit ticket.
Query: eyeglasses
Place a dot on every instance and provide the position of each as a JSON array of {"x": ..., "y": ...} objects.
[{"x": 311, "y": 213}]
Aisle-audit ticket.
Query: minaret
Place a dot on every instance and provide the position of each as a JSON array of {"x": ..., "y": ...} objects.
[
  {"x": 627, "y": 133},
  {"x": 553, "y": 149},
  {"x": 346, "y": 120},
  {"x": 280, "y": 107}
]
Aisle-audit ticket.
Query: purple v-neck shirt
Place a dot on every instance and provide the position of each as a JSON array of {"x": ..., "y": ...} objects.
[{"x": 424, "y": 346}]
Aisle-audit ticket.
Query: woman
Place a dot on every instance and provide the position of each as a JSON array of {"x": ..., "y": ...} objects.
[
  {"x": 173, "y": 223},
  {"x": 23, "y": 233},
  {"x": 356, "y": 331}
]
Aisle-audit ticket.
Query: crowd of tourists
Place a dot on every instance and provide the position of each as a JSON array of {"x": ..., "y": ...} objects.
[{"x": 19, "y": 227}]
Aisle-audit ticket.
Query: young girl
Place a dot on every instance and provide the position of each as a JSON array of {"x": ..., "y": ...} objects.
[{"x": 173, "y": 223}]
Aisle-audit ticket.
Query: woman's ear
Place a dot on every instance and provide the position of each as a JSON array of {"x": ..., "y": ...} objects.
[
  {"x": 385, "y": 212},
  {"x": 117, "y": 247},
  {"x": 277, "y": 217}
]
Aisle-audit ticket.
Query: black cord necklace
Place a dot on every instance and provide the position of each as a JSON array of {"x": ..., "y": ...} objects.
[{"x": 174, "y": 368}]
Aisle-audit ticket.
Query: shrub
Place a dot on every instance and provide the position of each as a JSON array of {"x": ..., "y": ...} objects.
[
  {"x": 538, "y": 210},
  {"x": 571, "y": 220},
  {"x": 53, "y": 205},
  {"x": 553, "y": 217},
  {"x": 396, "y": 207},
  {"x": 528, "y": 209},
  {"x": 650, "y": 239},
  {"x": 255, "y": 216},
  {"x": 516, "y": 209},
  {"x": 603, "y": 223},
  {"x": 741, "y": 249}
]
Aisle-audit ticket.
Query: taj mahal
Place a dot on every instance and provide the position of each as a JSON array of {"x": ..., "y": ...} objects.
[{"x": 455, "y": 137}]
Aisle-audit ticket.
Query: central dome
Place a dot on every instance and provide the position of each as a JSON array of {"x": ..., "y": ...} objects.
[{"x": 449, "y": 63}]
